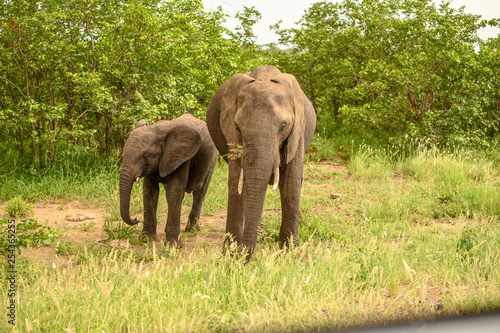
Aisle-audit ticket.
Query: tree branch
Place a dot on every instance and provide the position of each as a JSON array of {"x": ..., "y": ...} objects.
[
  {"x": 2, "y": 176},
  {"x": 88, "y": 110},
  {"x": 1, "y": 77},
  {"x": 87, "y": 27}
]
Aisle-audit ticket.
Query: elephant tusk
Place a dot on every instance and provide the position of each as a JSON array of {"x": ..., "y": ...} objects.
[
  {"x": 276, "y": 178},
  {"x": 240, "y": 182},
  {"x": 137, "y": 180}
]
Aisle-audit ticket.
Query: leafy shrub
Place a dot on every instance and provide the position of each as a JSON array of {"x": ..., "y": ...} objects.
[
  {"x": 467, "y": 240},
  {"x": 17, "y": 207},
  {"x": 381, "y": 85},
  {"x": 28, "y": 233}
]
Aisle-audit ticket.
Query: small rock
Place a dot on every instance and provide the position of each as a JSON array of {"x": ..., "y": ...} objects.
[
  {"x": 334, "y": 196},
  {"x": 79, "y": 217},
  {"x": 121, "y": 243}
]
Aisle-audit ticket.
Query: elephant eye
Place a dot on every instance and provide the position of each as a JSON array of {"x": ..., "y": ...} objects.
[
  {"x": 146, "y": 156},
  {"x": 283, "y": 128}
]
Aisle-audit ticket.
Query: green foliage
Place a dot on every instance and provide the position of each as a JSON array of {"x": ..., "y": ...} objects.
[
  {"x": 17, "y": 207},
  {"x": 29, "y": 233},
  {"x": 83, "y": 73},
  {"x": 235, "y": 151},
  {"x": 466, "y": 242},
  {"x": 397, "y": 67},
  {"x": 248, "y": 17},
  {"x": 78, "y": 76}
]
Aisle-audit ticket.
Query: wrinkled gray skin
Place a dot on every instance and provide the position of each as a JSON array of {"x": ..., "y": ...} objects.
[
  {"x": 178, "y": 153},
  {"x": 267, "y": 113}
]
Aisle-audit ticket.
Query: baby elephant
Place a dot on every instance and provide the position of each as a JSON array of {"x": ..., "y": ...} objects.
[{"x": 178, "y": 153}]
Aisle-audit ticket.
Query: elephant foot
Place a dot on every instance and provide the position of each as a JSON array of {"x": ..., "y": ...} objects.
[
  {"x": 289, "y": 244},
  {"x": 190, "y": 227},
  {"x": 235, "y": 250},
  {"x": 174, "y": 242},
  {"x": 148, "y": 236}
]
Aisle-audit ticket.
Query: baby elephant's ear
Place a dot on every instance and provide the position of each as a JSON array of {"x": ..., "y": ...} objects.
[{"x": 181, "y": 144}]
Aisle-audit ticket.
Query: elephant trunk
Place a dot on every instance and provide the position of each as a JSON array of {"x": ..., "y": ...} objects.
[
  {"x": 258, "y": 172},
  {"x": 126, "y": 183}
]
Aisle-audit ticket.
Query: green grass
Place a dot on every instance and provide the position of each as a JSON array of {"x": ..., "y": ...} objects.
[
  {"x": 394, "y": 236},
  {"x": 330, "y": 286}
]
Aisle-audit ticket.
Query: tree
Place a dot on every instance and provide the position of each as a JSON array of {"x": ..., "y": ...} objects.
[
  {"x": 81, "y": 72},
  {"x": 394, "y": 66}
]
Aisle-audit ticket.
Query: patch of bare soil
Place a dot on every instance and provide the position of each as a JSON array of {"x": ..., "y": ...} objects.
[
  {"x": 321, "y": 184},
  {"x": 81, "y": 223},
  {"x": 326, "y": 168}
]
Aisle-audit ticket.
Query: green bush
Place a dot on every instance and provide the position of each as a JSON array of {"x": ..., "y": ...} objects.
[
  {"x": 28, "y": 233},
  {"x": 17, "y": 207},
  {"x": 401, "y": 67}
]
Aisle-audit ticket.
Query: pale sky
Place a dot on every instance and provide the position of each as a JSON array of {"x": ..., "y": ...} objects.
[{"x": 290, "y": 11}]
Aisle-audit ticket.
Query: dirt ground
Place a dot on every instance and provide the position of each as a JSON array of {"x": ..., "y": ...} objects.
[{"x": 81, "y": 223}]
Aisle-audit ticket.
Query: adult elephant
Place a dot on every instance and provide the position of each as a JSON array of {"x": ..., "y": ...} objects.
[
  {"x": 178, "y": 153},
  {"x": 267, "y": 113}
]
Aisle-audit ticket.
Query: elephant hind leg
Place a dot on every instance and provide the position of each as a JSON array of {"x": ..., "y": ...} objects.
[
  {"x": 194, "y": 215},
  {"x": 198, "y": 199},
  {"x": 175, "y": 188}
]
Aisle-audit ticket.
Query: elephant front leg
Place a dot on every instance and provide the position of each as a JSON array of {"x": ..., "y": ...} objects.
[
  {"x": 150, "y": 191},
  {"x": 290, "y": 185},
  {"x": 235, "y": 204},
  {"x": 175, "y": 188}
]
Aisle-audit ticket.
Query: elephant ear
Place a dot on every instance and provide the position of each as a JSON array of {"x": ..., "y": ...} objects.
[
  {"x": 298, "y": 102},
  {"x": 181, "y": 144},
  {"x": 229, "y": 106}
]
